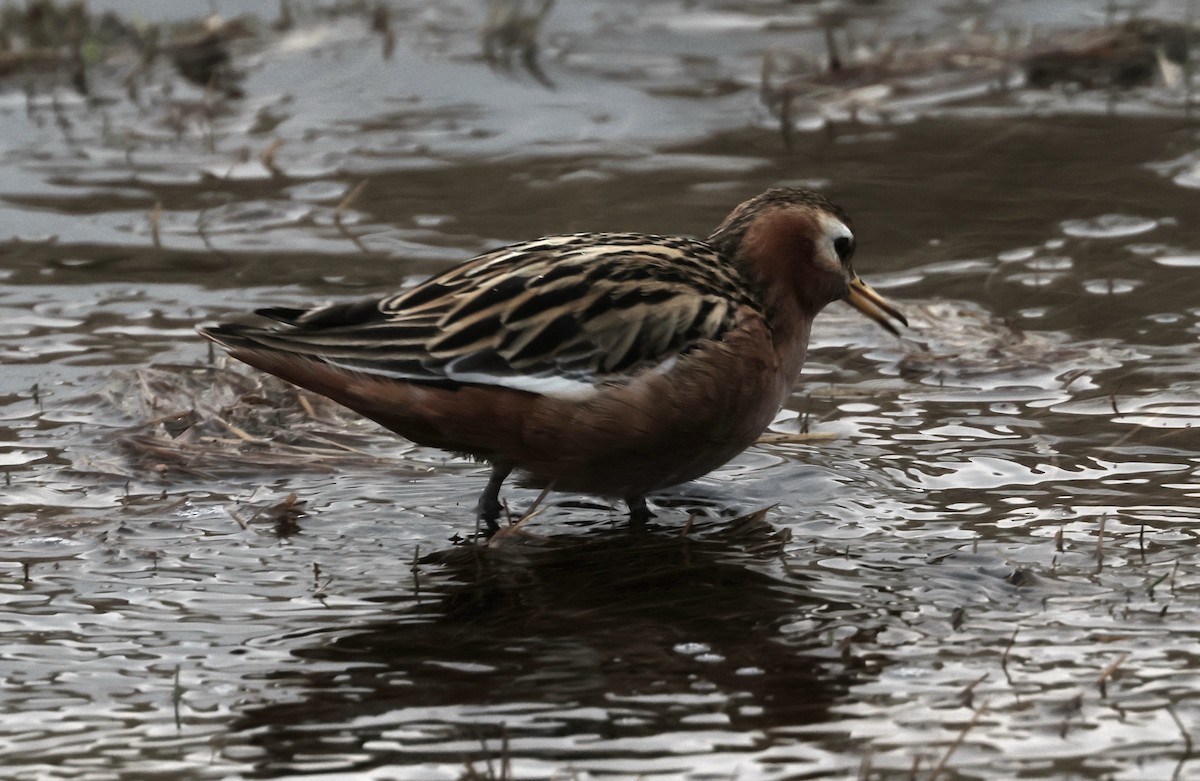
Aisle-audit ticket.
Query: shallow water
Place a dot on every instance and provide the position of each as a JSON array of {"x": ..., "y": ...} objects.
[{"x": 987, "y": 574}]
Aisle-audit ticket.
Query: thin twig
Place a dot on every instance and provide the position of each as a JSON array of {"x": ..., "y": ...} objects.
[
  {"x": 201, "y": 228},
  {"x": 346, "y": 203},
  {"x": 155, "y": 220},
  {"x": 515, "y": 527},
  {"x": 1107, "y": 673},
  {"x": 239, "y": 433},
  {"x": 958, "y": 741},
  {"x": 1187, "y": 741},
  {"x": 308, "y": 407},
  {"x": 1004, "y": 656},
  {"x": 801, "y": 438},
  {"x": 267, "y": 158},
  {"x": 967, "y": 695}
]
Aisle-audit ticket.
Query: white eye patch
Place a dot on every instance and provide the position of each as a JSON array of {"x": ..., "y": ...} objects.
[{"x": 838, "y": 239}]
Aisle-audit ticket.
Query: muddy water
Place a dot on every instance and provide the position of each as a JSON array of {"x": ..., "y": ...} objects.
[{"x": 990, "y": 572}]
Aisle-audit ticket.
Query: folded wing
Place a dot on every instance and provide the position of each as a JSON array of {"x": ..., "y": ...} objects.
[{"x": 559, "y": 315}]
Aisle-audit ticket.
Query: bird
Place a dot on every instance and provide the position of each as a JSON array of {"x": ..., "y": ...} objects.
[{"x": 610, "y": 364}]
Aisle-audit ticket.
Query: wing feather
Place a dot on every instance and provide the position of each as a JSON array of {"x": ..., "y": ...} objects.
[{"x": 558, "y": 315}]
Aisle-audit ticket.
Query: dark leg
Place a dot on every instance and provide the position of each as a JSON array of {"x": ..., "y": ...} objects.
[
  {"x": 489, "y": 507},
  {"x": 639, "y": 513}
]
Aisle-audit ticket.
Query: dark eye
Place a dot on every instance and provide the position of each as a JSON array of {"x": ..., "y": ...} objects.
[{"x": 844, "y": 247}]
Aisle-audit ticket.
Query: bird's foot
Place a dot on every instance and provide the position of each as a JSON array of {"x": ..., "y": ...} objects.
[
  {"x": 639, "y": 513},
  {"x": 489, "y": 506}
]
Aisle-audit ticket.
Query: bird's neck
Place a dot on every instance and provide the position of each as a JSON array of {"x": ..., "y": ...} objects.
[{"x": 791, "y": 327}]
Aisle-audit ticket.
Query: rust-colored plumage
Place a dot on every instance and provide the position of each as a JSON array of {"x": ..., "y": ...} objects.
[{"x": 606, "y": 363}]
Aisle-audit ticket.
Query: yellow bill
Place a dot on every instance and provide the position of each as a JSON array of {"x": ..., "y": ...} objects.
[{"x": 873, "y": 305}]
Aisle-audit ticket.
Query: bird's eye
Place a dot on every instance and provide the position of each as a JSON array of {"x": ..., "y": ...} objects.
[{"x": 844, "y": 247}]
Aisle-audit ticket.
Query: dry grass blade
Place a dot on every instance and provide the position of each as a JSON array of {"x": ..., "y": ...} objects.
[
  {"x": 940, "y": 767},
  {"x": 1188, "y": 746},
  {"x": 490, "y": 772},
  {"x": 514, "y": 530},
  {"x": 267, "y": 158},
  {"x": 155, "y": 221},
  {"x": 967, "y": 695},
  {"x": 202, "y": 232},
  {"x": 1004, "y": 656},
  {"x": 308, "y": 407},
  {"x": 237, "y": 432},
  {"x": 1107, "y": 673},
  {"x": 798, "y": 438},
  {"x": 342, "y": 208},
  {"x": 351, "y": 198}
]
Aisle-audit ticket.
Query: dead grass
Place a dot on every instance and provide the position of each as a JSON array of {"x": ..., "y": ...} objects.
[{"x": 212, "y": 420}]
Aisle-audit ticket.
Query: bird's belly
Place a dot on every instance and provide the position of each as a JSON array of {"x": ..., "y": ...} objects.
[{"x": 649, "y": 434}]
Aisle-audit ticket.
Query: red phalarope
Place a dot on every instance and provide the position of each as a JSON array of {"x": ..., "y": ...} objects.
[{"x": 606, "y": 363}]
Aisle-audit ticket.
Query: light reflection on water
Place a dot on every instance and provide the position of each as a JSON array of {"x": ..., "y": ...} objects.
[{"x": 989, "y": 572}]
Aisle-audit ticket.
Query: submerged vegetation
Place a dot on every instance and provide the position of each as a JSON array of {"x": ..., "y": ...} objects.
[
  {"x": 885, "y": 75},
  {"x": 63, "y": 41},
  {"x": 215, "y": 420}
]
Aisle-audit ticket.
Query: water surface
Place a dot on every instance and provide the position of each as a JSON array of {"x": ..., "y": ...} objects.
[{"x": 986, "y": 574}]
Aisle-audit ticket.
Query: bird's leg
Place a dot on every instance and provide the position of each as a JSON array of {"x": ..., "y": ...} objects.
[
  {"x": 639, "y": 513},
  {"x": 489, "y": 507}
]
